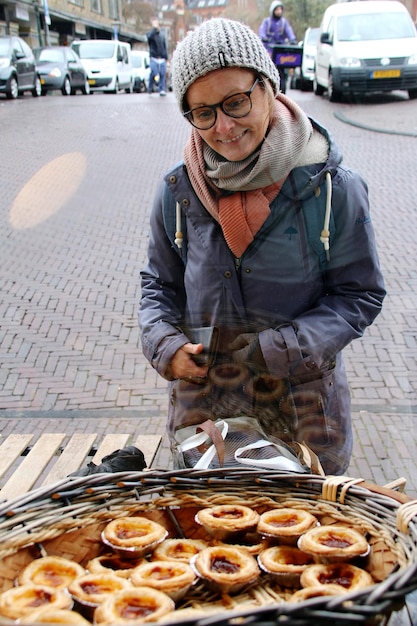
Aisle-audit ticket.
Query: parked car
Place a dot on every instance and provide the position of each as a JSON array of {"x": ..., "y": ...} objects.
[
  {"x": 366, "y": 47},
  {"x": 59, "y": 67},
  {"x": 309, "y": 58},
  {"x": 141, "y": 70},
  {"x": 17, "y": 68},
  {"x": 108, "y": 63},
  {"x": 303, "y": 76}
]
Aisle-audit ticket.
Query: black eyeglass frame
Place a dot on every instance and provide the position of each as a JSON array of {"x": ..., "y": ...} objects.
[{"x": 220, "y": 105}]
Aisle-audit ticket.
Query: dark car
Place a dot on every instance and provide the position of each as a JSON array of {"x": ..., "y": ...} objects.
[
  {"x": 17, "y": 68},
  {"x": 59, "y": 67}
]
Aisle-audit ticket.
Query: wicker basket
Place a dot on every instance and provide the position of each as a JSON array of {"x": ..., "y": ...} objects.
[{"x": 66, "y": 519}]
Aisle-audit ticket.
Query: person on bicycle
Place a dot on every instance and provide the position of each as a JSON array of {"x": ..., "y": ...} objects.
[{"x": 274, "y": 30}]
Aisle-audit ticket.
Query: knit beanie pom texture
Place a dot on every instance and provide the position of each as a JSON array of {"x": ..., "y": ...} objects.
[{"x": 215, "y": 44}]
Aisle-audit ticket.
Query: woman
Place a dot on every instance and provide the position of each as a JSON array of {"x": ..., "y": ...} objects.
[{"x": 257, "y": 175}]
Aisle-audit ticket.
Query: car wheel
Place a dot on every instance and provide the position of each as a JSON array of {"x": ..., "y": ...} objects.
[
  {"x": 412, "y": 94},
  {"x": 66, "y": 87},
  {"x": 37, "y": 90},
  {"x": 334, "y": 94},
  {"x": 12, "y": 89},
  {"x": 318, "y": 89},
  {"x": 130, "y": 88},
  {"x": 86, "y": 89},
  {"x": 44, "y": 92}
]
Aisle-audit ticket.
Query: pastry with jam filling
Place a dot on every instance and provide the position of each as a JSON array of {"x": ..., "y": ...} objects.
[
  {"x": 286, "y": 525},
  {"x": 90, "y": 590},
  {"x": 133, "y": 536},
  {"x": 227, "y": 521},
  {"x": 113, "y": 564},
  {"x": 285, "y": 564},
  {"x": 52, "y": 571},
  {"x": 225, "y": 569},
  {"x": 345, "y": 575},
  {"x": 21, "y": 601},
  {"x": 172, "y": 577},
  {"x": 178, "y": 549},
  {"x": 136, "y": 605},
  {"x": 329, "y": 544}
]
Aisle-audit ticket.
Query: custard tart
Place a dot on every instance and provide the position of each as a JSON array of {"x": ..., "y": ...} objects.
[
  {"x": 133, "y": 606},
  {"x": 90, "y": 590},
  {"x": 286, "y": 525},
  {"x": 52, "y": 571},
  {"x": 316, "y": 592},
  {"x": 55, "y": 616},
  {"x": 225, "y": 569},
  {"x": 133, "y": 536},
  {"x": 17, "y": 602},
  {"x": 329, "y": 544},
  {"x": 285, "y": 564},
  {"x": 172, "y": 577},
  {"x": 227, "y": 520},
  {"x": 178, "y": 549},
  {"x": 113, "y": 564},
  {"x": 346, "y": 575}
]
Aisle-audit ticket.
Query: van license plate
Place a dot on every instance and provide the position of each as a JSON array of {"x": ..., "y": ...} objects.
[
  {"x": 91, "y": 81},
  {"x": 386, "y": 74}
]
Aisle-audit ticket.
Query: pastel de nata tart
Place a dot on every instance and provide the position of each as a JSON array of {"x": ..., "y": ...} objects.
[
  {"x": 133, "y": 536},
  {"x": 251, "y": 542},
  {"x": 113, "y": 564},
  {"x": 90, "y": 590},
  {"x": 285, "y": 564},
  {"x": 55, "y": 616},
  {"x": 136, "y": 605},
  {"x": 178, "y": 549},
  {"x": 227, "y": 520},
  {"x": 20, "y": 601},
  {"x": 348, "y": 576},
  {"x": 52, "y": 571},
  {"x": 172, "y": 577},
  {"x": 225, "y": 569},
  {"x": 285, "y": 525},
  {"x": 316, "y": 592},
  {"x": 333, "y": 543}
]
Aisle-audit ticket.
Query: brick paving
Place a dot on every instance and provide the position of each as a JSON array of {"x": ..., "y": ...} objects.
[{"x": 70, "y": 358}]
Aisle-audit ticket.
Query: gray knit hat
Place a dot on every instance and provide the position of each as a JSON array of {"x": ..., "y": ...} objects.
[{"x": 218, "y": 43}]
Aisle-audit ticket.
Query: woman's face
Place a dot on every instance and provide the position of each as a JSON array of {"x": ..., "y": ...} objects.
[{"x": 233, "y": 138}]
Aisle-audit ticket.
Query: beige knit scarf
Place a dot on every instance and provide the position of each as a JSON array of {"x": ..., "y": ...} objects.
[{"x": 238, "y": 193}]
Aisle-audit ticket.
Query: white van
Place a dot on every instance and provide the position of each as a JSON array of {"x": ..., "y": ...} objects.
[
  {"x": 141, "y": 70},
  {"x": 366, "y": 46},
  {"x": 108, "y": 64}
]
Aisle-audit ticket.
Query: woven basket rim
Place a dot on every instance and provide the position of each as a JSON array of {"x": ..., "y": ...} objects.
[{"x": 53, "y": 510}]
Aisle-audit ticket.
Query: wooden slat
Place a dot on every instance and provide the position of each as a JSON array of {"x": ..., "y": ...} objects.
[
  {"x": 149, "y": 444},
  {"x": 11, "y": 449},
  {"x": 109, "y": 444},
  {"x": 32, "y": 465},
  {"x": 72, "y": 458}
]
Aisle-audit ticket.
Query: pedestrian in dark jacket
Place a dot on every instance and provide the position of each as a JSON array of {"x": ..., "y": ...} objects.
[
  {"x": 256, "y": 177},
  {"x": 158, "y": 57}
]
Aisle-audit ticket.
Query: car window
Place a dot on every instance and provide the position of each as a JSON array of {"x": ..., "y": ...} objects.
[
  {"x": 50, "y": 55},
  {"x": 137, "y": 61},
  {"x": 4, "y": 47},
  {"x": 88, "y": 50},
  {"x": 27, "y": 50},
  {"x": 370, "y": 27},
  {"x": 71, "y": 55}
]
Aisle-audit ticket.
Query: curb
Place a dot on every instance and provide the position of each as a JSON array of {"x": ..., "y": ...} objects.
[{"x": 386, "y": 131}]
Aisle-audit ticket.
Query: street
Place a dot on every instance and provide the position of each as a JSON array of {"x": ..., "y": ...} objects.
[{"x": 78, "y": 175}]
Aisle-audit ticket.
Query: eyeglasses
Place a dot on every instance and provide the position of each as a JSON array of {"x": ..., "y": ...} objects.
[{"x": 238, "y": 105}]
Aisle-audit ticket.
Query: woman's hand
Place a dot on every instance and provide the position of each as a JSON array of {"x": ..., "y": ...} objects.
[{"x": 182, "y": 364}]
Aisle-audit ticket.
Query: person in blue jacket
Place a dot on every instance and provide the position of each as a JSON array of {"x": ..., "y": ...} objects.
[
  {"x": 242, "y": 209},
  {"x": 276, "y": 29}
]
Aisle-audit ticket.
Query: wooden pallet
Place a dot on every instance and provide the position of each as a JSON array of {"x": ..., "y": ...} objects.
[{"x": 50, "y": 459}]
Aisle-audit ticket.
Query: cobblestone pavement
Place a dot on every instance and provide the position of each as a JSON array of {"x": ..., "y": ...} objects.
[{"x": 78, "y": 177}]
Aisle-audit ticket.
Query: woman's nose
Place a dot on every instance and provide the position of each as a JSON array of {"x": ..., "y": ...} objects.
[{"x": 223, "y": 122}]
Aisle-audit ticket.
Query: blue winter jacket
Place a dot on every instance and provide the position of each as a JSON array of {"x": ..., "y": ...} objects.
[{"x": 304, "y": 310}]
